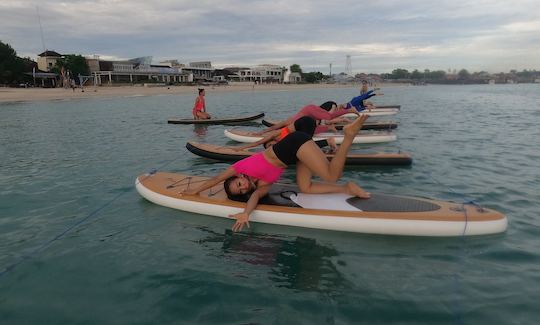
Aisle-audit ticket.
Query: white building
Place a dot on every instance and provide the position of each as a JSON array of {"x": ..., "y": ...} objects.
[
  {"x": 138, "y": 70},
  {"x": 263, "y": 73},
  {"x": 201, "y": 71},
  {"x": 291, "y": 77}
]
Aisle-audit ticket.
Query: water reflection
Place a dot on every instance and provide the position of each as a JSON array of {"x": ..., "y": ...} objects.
[
  {"x": 297, "y": 263},
  {"x": 200, "y": 130}
]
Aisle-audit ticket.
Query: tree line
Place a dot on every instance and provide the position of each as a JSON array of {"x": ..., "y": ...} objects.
[
  {"x": 428, "y": 75},
  {"x": 16, "y": 70},
  {"x": 309, "y": 77},
  {"x": 12, "y": 67},
  {"x": 463, "y": 74}
]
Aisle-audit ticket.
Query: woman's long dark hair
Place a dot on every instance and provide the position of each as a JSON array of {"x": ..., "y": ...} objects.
[
  {"x": 328, "y": 105},
  {"x": 235, "y": 197},
  {"x": 305, "y": 124}
]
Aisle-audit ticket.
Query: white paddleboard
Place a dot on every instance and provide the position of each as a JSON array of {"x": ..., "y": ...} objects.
[{"x": 368, "y": 137}]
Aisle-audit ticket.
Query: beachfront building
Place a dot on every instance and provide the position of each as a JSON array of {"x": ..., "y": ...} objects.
[
  {"x": 343, "y": 78},
  {"x": 172, "y": 63},
  {"x": 47, "y": 60},
  {"x": 138, "y": 70},
  {"x": 291, "y": 77},
  {"x": 263, "y": 73},
  {"x": 202, "y": 71},
  {"x": 371, "y": 78}
]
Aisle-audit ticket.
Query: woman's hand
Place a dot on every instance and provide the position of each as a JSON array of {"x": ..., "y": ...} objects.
[
  {"x": 242, "y": 219},
  {"x": 332, "y": 144},
  {"x": 353, "y": 110},
  {"x": 332, "y": 128}
]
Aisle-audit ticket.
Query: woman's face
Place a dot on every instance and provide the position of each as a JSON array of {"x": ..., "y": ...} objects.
[{"x": 241, "y": 185}]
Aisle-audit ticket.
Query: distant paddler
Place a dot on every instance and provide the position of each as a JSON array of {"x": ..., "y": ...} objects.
[
  {"x": 364, "y": 90},
  {"x": 199, "y": 109},
  {"x": 359, "y": 102}
]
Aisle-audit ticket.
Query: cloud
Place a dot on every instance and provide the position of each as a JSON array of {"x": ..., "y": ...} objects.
[
  {"x": 381, "y": 34},
  {"x": 523, "y": 26}
]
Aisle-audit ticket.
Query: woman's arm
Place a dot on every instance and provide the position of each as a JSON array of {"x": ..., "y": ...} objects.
[
  {"x": 276, "y": 126},
  {"x": 267, "y": 138},
  {"x": 211, "y": 182},
  {"x": 318, "y": 113},
  {"x": 242, "y": 218},
  {"x": 338, "y": 120},
  {"x": 325, "y": 128}
]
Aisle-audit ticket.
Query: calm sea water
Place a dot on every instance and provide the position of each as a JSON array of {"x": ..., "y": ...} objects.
[{"x": 80, "y": 246}]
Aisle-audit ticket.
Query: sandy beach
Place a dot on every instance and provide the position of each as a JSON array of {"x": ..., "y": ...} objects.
[{"x": 44, "y": 94}]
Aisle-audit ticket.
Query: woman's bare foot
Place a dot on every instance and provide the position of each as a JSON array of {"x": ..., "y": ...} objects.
[
  {"x": 356, "y": 190},
  {"x": 352, "y": 129}
]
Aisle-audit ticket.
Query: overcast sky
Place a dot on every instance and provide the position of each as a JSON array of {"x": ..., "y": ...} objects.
[{"x": 489, "y": 35}]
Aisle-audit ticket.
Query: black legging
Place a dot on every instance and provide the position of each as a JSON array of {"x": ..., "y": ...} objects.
[{"x": 286, "y": 149}]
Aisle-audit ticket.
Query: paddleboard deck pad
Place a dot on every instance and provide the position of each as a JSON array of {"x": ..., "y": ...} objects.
[
  {"x": 381, "y": 214},
  {"x": 230, "y": 120},
  {"x": 367, "y": 137},
  {"x": 230, "y": 153}
]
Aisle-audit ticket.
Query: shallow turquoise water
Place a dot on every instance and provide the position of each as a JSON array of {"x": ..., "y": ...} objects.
[{"x": 79, "y": 245}]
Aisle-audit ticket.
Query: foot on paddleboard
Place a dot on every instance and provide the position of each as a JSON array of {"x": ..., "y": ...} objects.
[{"x": 356, "y": 190}]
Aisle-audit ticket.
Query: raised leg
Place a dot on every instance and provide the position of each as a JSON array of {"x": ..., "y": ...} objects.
[{"x": 312, "y": 156}]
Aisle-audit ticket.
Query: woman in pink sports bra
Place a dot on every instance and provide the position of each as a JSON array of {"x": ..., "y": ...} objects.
[
  {"x": 250, "y": 179},
  {"x": 199, "y": 109}
]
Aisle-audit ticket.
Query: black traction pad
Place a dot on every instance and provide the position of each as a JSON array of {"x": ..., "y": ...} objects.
[{"x": 280, "y": 193}]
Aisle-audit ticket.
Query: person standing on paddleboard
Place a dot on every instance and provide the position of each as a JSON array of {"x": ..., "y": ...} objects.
[
  {"x": 199, "y": 109},
  {"x": 250, "y": 179}
]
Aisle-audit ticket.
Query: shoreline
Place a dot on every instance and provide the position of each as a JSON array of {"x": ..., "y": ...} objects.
[{"x": 21, "y": 95}]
